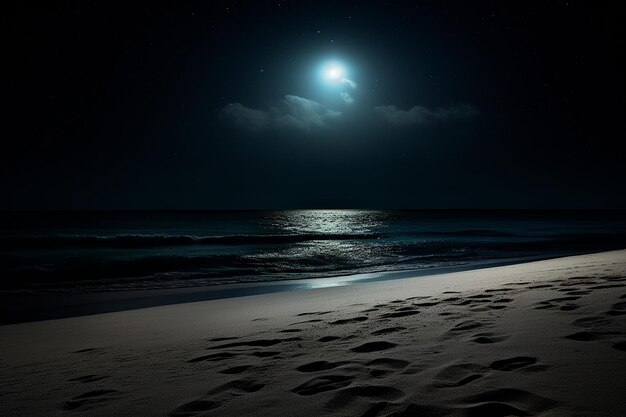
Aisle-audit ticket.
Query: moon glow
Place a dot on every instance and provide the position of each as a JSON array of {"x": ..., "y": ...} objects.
[{"x": 334, "y": 73}]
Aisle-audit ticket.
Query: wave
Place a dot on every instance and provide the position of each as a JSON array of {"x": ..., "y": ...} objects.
[
  {"x": 468, "y": 233},
  {"x": 23, "y": 270},
  {"x": 33, "y": 261},
  {"x": 136, "y": 241},
  {"x": 165, "y": 271}
]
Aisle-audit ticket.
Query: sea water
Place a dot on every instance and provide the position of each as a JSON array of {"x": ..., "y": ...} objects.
[{"x": 104, "y": 251}]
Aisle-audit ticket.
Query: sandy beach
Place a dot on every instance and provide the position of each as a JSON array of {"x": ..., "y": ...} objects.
[
  {"x": 299, "y": 209},
  {"x": 544, "y": 338}
]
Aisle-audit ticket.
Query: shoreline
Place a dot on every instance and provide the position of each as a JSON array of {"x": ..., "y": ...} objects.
[
  {"x": 534, "y": 339},
  {"x": 23, "y": 308}
]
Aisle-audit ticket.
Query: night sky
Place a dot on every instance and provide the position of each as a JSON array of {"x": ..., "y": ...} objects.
[{"x": 230, "y": 104}]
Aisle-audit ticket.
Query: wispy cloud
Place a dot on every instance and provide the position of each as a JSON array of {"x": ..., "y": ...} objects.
[
  {"x": 420, "y": 115},
  {"x": 346, "y": 97},
  {"x": 245, "y": 117},
  {"x": 292, "y": 112},
  {"x": 349, "y": 82}
]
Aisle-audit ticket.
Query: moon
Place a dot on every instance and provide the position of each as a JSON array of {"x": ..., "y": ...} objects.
[{"x": 334, "y": 73}]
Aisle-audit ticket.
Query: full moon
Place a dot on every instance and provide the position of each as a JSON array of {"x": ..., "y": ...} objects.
[{"x": 334, "y": 73}]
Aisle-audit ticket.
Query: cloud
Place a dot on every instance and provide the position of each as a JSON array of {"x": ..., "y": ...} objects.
[
  {"x": 349, "y": 82},
  {"x": 292, "y": 112},
  {"x": 347, "y": 98},
  {"x": 301, "y": 113},
  {"x": 420, "y": 115},
  {"x": 245, "y": 117}
]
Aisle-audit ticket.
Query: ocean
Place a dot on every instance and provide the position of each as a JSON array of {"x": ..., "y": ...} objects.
[{"x": 50, "y": 252}]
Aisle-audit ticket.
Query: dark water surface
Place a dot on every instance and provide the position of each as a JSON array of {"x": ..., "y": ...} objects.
[{"x": 78, "y": 252}]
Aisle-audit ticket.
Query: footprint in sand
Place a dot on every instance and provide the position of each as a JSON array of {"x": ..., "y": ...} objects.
[
  {"x": 231, "y": 389},
  {"x": 427, "y": 304},
  {"x": 589, "y": 336},
  {"x": 388, "y": 330},
  {"x": 320, "y": 366},
  {"x": 86, "y": 350},
  {"x": 488, "y": 338},
  {"x": 213, "y": 357},
  {"x": 384, "y": 366},
  {"x": 236, "y": 369},
  {"x": 458, "y": 375},
  {"x": 240, "y": 386},
  {"x": 466, "y": 325},
  {"x": 88, "y": 378},
  {"x": 544, "y": 305},
  {"x": 314, "y": 313},
  {"x": 477, "y": 309},
  {"x": 194, "y": 407},
  {"x": 90, "y": 399},
  {"x": 323, "y": 384},
  {"x": 265, "y": 354},
  {"x": 511, "y": 364},
  {"x": 559, "y": 299},
  {"x": 503, "y": 402},
  {"x": 290, "y": 331},
  {"x": 572, "y": 285},
  {"x": 373, "y": 347},
  {"x": 466, "y": 302},
  {"x": 422, "y": 297},
  {"x": 376, "y": 409},
  {"x": 578, "y": 292},
  {"x": 326, "y": 339},
  {"x": 481, "y": 296},
  {"x": 222, "y": 339},
  {"x": 561, "y": 303},
  {"x": 618, "y": 309},
  {"x": 387, "y": 364},
  {"x": 397, "y": 314},
  {"x": 358, "y": 319},
  {"x": 582, "y": 336},
  {"x": 615, "y": 278},
  {"x": 494, "y": 409},
  {"x": 500, "y": 290},
  {"x": 603, "y": 286},
  {"x": 569, "y": 288},
  {"x": 347, "y": 395}
]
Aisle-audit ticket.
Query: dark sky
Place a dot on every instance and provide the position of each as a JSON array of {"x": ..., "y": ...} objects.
[{"x": 224, "y": 104}]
